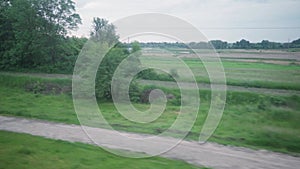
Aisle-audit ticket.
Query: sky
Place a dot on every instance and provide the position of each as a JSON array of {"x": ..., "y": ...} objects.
[{"x": 228, "y": 20}]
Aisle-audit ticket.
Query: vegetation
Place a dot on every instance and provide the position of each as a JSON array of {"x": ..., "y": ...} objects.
[
  {"x": 34, "y": 38},
  {"x": 250, "y": 119},
  {"x": 17, "y": 152},
  {"x": 33, "y": 35},
  {"x": 218, "y": 44},
  {"x": 246, "y": 74},
  {"x": 104, "y": 34}
]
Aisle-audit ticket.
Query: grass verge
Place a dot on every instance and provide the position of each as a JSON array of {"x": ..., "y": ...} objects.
[{"x": 20, "y": 151}]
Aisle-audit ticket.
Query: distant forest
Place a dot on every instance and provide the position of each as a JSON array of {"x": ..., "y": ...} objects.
[{"x": 218, "y": 44}]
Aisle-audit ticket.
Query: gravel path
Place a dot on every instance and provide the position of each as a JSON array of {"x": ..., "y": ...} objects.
[{"x": 208, "y": 154}]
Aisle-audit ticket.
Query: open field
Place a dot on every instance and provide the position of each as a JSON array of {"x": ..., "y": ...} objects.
[
  {"x": 20, "y": 151},
  {"x": 206, "y": 86},
  {"x": 260, "y": 74},
  {"x": 250, "y": 119},
  {"x": 292, "y": 54}
]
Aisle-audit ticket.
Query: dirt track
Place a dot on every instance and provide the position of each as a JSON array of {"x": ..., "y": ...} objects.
[{"x": 208, "y": 154}]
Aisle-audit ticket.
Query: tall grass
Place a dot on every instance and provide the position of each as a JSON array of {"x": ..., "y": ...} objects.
[{"x": 22, "y": 81}]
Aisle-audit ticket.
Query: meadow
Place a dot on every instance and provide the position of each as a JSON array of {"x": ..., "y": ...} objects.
[
  {"x": 239, "y": 72},
  {"x": 26, "y": 151}
]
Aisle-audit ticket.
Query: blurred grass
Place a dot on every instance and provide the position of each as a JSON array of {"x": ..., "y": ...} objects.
[
  {"x": 18, "y": 151},
  {"x": 21, "y": 80}
]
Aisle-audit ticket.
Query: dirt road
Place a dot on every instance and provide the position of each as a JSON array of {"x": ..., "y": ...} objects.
[{"x": 208, "y": 154}]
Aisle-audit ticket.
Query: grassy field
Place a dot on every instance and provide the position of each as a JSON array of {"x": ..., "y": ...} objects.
[
  {"x": 20, "y": 151},
  {"x": 250, "y": 119},
  {"x": 239, "y": 73}
]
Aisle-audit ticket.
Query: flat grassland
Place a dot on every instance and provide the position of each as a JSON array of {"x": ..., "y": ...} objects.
[{"x": 252, "y": 70}]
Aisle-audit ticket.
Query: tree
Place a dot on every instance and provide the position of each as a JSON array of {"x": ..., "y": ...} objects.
[
  {"x": 104, "y": 33},
  {"x": 135, "y": 47},
  {"x": 242, "y": 44},
  {"x": 6, "y": 35},
  {"x": 265, "y": 44},
  {"x": 58, "y": 17},
  {"x": 27, "y": 49},
  {"x": 295, "y": 44},
  {"x": 35, "y": 31},
  {"x": 218, "y": 44}
]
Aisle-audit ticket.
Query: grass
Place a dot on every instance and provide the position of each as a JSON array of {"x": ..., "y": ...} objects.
[
  {"x": 247, "y": 74},
  {"x": 20, "y": 151},
  {"x": 238, "y": 73},
  {"x": 261, "y": 75},
  {"x": 17, "y": 102},
  {"x": 250, "y": 119},
  {"x": 21, "y": 80}
]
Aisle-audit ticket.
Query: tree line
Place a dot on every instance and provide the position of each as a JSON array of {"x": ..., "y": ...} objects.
[{"x": 218, "y": 44}]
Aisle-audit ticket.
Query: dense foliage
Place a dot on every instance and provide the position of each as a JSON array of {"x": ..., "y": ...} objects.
[
  {"x": 33, "y": 35},
  {"x": 104, "y": 34}
]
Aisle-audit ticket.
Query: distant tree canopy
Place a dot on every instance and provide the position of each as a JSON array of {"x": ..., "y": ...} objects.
[
  {"x": 33, "y": 34},
  {"x": 218, "y": 44}
]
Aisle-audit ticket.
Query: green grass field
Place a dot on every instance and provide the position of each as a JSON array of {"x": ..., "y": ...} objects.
[
  {"x": 239, "y": 73},
  {"x": 20, "y": 151},
  {"x": 250, "y": 119}
]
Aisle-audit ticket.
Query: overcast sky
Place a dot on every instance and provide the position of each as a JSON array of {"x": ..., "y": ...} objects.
[{"x": 230, "y": 20}]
